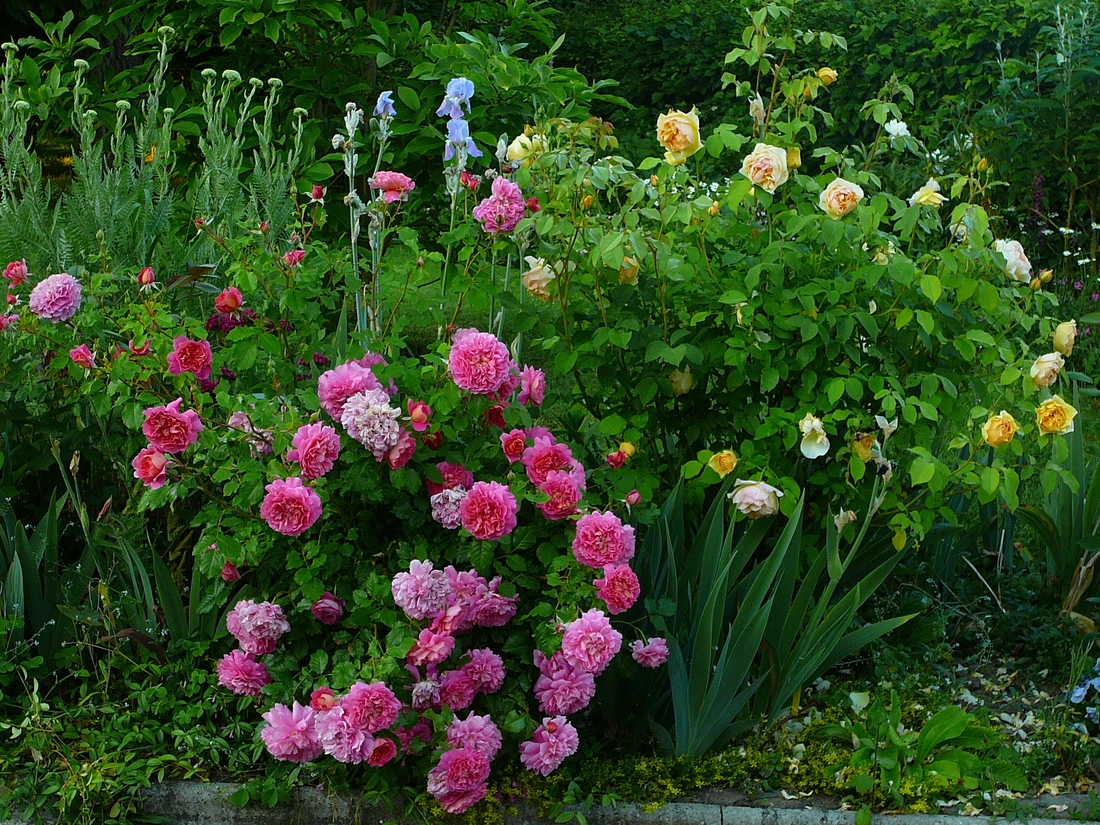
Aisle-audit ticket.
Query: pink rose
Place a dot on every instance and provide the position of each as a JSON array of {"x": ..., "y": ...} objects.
[
  {"x": 336, "y": 386},
  {"x": 418, "y": 414},
  {"x": 402, "y": 451},
  {"x": 501, "y": 211},
  {"x": 619, "y": 587},
  {"x": 564, "y": 495},
  {"x": 532, "y": 387},
  {"x": 290, "y": 507},
  {"x": 384, "y": 750},
  {"x": 294, "y": 257},
  {"x": 315, "y": 448},
  {"x": 147, "y": 277},
  {"x": 590, "y": 642},
  {"x": 513, "y": 443},
  {"x": 430, "y": 648},
  {"x": 242, "y": 674},
  {"x": 551, "y": 743},
  {"x": 322, "y": 699},
  {"x": 373, "y": 707},
  {"x": 603, "y": 539},
  {"x": 454, "y": 475},
  {"x": 16, "y": 272},
  {"x": 190, "y": 356},
  {"x": 291, "y": 733},
  {"x": 479, "y": 362},
  {"x": 489, "y": 510},
  {"x": 328, "y": 609},
  {"x": 257, "y": 627},
  {"x": 229, "y": 573},
  {"x": 229, "y": 300},
  {"x": 7, "y": 321},
  {"x": 57, "y": 298},
  {"x": 548, "y": 455},
  {"x": 83, "y": 357},
  {"x": 651, "y": 654},
  {"x": 169, "y": 430},
  {"x": 149, "y": 466},
  {"x": 393, "y": 185},
  {"x": 633, "y": 498}
]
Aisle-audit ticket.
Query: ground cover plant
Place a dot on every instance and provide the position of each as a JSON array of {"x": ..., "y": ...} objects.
[{"x": 405, "y": 438}]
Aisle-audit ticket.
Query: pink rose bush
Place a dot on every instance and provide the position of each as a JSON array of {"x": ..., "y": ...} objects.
[
  {"x": 190, "y": 356},
  {"x": 315, "y": 448},
  {"x": 257, "y": 627},
  {"x": 503, "y": 209},
  {"x": 170, "y": 430},
  {"x": 290, "y": 507}
]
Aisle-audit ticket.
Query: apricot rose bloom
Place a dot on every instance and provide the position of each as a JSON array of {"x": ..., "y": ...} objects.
[
  {"x": 723, "y": 463},
  {"x": 999, "y": 429},
  {"x": 840, "y": 197},
  {"x": 1055, "y": 417},
  {"x": 1064, "y": 336},
  {"x": 678, "y": 132},
  {"x": 538, "y": 277},
  {"x": 766, "y": 167},
  {"x": 1046, "y": 368}
]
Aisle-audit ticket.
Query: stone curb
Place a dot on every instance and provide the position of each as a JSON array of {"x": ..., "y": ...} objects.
[{"x": 195, "y": 803}]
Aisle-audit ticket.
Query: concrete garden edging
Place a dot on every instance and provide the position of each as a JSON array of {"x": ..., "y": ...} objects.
[{"x": 195, "y": 803}]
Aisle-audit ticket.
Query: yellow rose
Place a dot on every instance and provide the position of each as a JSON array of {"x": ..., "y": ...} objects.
[
  {"x": 794, "y": 157},
  {"x": 526, "y": 149},
  {"x": 1045, "y": 275},
  {"x": 682, "y": 382},
  {"x": 627, "y": 449},
  {"x": 714, "y": 209},
  {"x": 1064, "y": 336},
  {"x": 863, "y": 444},
  {"x": 840, "y": 197},
  {"x": 538, "y": 277},
  {"x": 723, "y": 463},
  {"x": 928, "y": 195},
  {"x": 678, "y": 132},
  {"x": 766, "y": 167},
  {"x": 828, "y": 76},
  {"x": 1046, "y": 369},
  {"x": 1055, "y": 417},
  {"x": 628, "y": 272},
  {"x": 999, "y": 429}
]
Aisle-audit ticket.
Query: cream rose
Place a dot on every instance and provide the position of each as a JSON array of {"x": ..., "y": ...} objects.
[
  {"x": 840, "y": 197},
  {"x": 1055, "y": 417},
  {"x": 1046, "y": 368},
  {"x": 755, "y": 499},
  {"x": 1017, "y": 265},
  {"x": 999, "y": 429},
  {"x": 678, "y": 132},
  {"x": 526, "y": 149},
  {"x": 682, "y": 382},
  {"x": 628, "y": 272},
  {"x": 538, "y": 277},
  {"x": 928, "y": 195},
  {"x": 1064, "y": 336},
  {"x": 766, "y": 167}
]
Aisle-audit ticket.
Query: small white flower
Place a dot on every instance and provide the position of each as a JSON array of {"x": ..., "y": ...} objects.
[
  {"x": 897, "y": 128},
  {"x": 815, "y": 443}
]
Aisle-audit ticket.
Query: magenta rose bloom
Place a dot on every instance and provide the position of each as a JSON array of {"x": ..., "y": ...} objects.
[
  {"x": 454, "y": 475},
  {"x": 56, "y": 298},
  {"x": 401, "y": 452},
  {"x": 532, "y": 387},
  {"x": 336, "y": 386},
  {"x": 651, "y": 654},
  {"x": 190, "y": 356},
  {"x": 489, "y": 510},
  {"x": 242, "y": 674},
  {"x": 316, "y": 448},
  {"x": 547, "y": 455},
  {"x": 290, "y": 507},
  {"x": 590, "y": 642},
  {"x": 169, "y": 430},
  {"x": 490, "y": 609},
  {"x": 384, "y": 750},
  {"x": 562, "y": 688},
  {"x": 328, "y": 609},
  {"x": 459, "y": 780},
  {"x": 341, "y": 738},
  {"x": 373, "y": 707},
  {"x": 291, "y": 734},
  {"x": 393, "y": 185},
  {"x": 82, "y": 357},
  {"x": 603, "y": 539},
  {"x": 16, "y": 272},
  {"x": 503, "y": 209},
  {"x": 619, "y": 587},
  {"x": 486, "y": 669},
  {"x": 479, "y": 361},
  {"x": 551, "y": 743},
  {"x": 256, "y": 627},
  {"x": 457, "y": 690},
  {"x": 564, "y": 495},
  {"x": 149, "y": 465}
]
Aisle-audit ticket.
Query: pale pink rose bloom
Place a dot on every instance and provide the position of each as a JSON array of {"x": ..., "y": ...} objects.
[
  {"x": 56, "y": 298},
  {"x": 422, "y": 592},
  {"x": 290, "y": 733},
  {"x": 513, "y": 443},
  {"x": 619, "y": 588},
  {"x": 289, "y": 507},
  {"x": 328, "y": 609},
  {"x": 430, "y": 648},
  {"x": 83, "y": 357},
  {"x": 393, "y": 185},
  {"x": 532, "y": 387},
  {"x": 486, "y": 669},
  {"x": 316, "y": 448},
  {"x": 454, "y": 475},
  {"x": 336, "y": 386},
  {"x": 190, "y": 356},
  {"x": 562, "y": 688},
  {"x": 373, "y": 706},
  {"x": 651, "y": 654},
  {"x": 257, "y": 627},
  {"x": 446, "y": 506},
  {"x": 478, "y": 733},
  {"x": 479, "y": 362},
  {"x": 489, "y": 510},
  {"x": 169, "y": 430},
  {"x": 341, "y": 738},
  {"x": 370, "y": 420},
  {"x": 459, "y": 780},
  {"x": 755, "y": 499},
  {"x": 242, "y": 674},
  {"x": 590, "y": 642},
  {"x": 457, "y": 690},
  {"x": 1016, "y": 263},
  {"x": 603, "y": 539},
  {"x": 149, "y": 465},
  {"x": 553, "y": 741},
  {"x": 501, "y": 211}
]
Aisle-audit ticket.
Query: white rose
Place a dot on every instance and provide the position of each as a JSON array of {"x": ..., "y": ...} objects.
[
  {"x": 1018, "y": 266},
  {"x": 897, "y": 128},
  {"x": 766, "y": 167},
  {"x": 538, "y": 277},
  {"x": 755, "y": 499}
]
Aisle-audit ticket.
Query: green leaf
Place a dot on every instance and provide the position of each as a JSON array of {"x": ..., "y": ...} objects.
[
  {"x": 923, "y": 470},
  {"x": 944, "y": 726}
]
